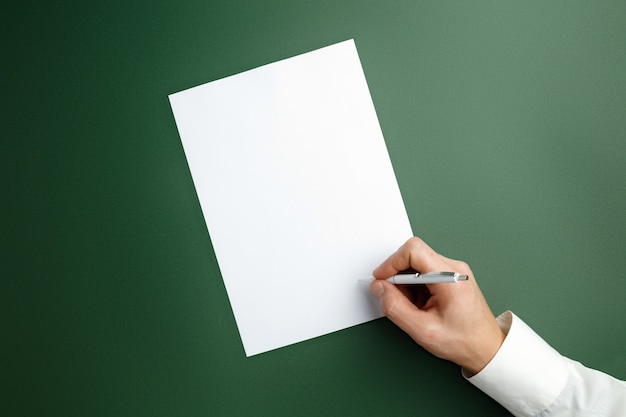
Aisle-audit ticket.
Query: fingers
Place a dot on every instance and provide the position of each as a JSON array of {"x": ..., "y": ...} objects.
[
  {"x": 452, "y": 321},
  {"x": 396, "y": 306},
  {"x": 416, "y": 254}
]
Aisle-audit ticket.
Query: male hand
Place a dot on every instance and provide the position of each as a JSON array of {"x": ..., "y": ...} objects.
[{"x": 452, "y": 321}]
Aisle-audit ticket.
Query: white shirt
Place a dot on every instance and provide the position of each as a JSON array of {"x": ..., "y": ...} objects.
[{"x": 531, "y": 379}]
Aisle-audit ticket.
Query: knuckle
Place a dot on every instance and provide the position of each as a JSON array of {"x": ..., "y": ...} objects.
[
  {"x": 390, "y": 308},
  {"x": 414, "y": 243},
  {"x": 430, "y": 335},
  {"x": 462, "y": 267},
  {"x": 417, "y": 247}
]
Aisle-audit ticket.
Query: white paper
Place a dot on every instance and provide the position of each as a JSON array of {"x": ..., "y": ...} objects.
[{"x": 297, "y": 191}]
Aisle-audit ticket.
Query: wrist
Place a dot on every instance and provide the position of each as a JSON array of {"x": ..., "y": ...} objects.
[{"x": 483, "y": 351}]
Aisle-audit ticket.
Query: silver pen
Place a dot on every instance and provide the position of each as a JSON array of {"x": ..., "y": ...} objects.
[{"x": 415, "y": 278}]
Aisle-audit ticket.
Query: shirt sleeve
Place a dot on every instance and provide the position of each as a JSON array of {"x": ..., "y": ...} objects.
[{"x": 531, "y": 379}]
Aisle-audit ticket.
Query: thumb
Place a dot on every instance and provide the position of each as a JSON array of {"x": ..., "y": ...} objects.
[{"x": 395, "y": 305}]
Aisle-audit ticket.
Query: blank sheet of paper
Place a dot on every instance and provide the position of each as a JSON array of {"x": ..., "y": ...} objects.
[{"x": 297, "y": 191}]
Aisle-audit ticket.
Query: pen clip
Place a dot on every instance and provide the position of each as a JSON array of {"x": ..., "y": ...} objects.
[{"x": 439, "y": 274}]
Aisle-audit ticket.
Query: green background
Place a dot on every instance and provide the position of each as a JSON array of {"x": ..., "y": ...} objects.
[{"x": 505, "y": 122}]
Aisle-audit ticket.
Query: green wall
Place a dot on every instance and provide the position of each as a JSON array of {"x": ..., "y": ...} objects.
[{"x": 505, "y": 122}]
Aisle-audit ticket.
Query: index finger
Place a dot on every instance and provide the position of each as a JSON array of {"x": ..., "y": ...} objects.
[{"x": 414, "y": 253}]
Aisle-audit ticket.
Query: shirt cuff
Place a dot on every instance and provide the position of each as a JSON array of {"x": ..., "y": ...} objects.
[{"x": 526, "y": 375}]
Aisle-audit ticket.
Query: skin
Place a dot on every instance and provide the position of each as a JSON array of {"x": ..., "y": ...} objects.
[{"x": 451, "y": 321}]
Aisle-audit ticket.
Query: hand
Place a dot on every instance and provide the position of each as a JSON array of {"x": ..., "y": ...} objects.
[{"x": 451, "y": 321}]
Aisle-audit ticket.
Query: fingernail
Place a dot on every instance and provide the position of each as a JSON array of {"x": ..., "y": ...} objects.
[{"x": 377, "y": 289}]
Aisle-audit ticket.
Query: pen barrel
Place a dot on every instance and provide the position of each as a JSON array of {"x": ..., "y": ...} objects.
[{"x": 412, "y": 279}]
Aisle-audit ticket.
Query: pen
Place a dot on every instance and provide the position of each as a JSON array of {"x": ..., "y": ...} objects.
[{"x": 415, "y": 278}]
